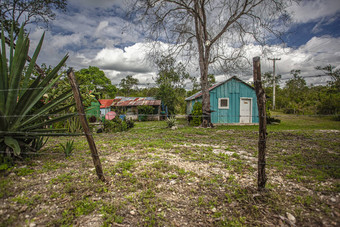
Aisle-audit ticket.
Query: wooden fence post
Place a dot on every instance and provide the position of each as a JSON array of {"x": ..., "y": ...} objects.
[
  {"x": 82, "y": 117},
  {"x": 261, "y": 105}
]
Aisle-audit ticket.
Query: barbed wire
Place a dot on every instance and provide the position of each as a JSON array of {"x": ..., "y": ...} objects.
[
  {"x": 214, "y": 113},
  {"x": 40, "y": 88}
]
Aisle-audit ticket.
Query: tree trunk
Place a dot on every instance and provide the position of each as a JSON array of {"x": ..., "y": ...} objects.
[
  {"x": 205, "y": 95},
  {"x": 204, "y": 53}
]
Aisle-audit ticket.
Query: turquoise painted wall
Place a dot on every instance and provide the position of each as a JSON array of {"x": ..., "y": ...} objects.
[{"x": 234, "y": 90}]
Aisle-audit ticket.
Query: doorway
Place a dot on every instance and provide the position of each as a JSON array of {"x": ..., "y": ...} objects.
[{"x": 245, "y": 110}]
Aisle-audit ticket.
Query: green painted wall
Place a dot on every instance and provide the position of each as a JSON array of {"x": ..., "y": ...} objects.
[{"x": 93, "y": 110}]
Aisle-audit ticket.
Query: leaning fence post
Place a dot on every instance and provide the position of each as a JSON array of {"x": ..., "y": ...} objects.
[
  {"x": 85, "y": 125},
  {"x": 261, "y": 105}
]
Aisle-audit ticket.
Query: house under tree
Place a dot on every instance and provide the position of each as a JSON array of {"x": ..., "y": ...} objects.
[
  {"x": 231, "y": 101},
  {"x": 129, "y": 107}
]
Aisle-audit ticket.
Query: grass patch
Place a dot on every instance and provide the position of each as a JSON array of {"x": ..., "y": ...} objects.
[{"x": 184, "y": 177}]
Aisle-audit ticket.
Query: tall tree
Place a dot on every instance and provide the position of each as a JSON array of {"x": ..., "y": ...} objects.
[
  {"x": 207, "y": 26},
  {"x": 170, "y": 81},
  {"x": 23, "y": 12},
  {"x": 127, "y": 84},
  {"x": 334, "y": 73},
  {"x": 295, "y": 90},
  {"x": 94, "y": 78},
  {"x": 267, "y": 79}
]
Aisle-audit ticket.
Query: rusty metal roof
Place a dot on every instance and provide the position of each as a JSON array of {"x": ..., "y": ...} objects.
[
  {"x": 105, "y": 102},
  {"x": 136, "y": 101}
]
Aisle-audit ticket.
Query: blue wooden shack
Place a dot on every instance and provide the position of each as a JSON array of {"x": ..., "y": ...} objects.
[{"x": 231, "y": 101}]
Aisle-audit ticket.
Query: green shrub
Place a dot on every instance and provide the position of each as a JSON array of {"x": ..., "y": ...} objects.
[
  {"x": 197, "y": 114},
  {"x": 68, "y": 148},
  {"x": 144, "y": 112},
  {"x": 270, "y": 119},
  {"x": 118, "y": 125},
  {"x": 336, "y": 117},
  {"x": 171, "y": 122},
  {"x": 130, "y": 123}
]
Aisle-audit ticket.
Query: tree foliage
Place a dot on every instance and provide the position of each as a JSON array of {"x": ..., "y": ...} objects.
[
  {"x": 267, "y": 79},
  {"x": 95, "y": 79},
  {"x": 297, "y": 98},
  {"x": 171, "y": 73},
  {"x": 127, "y": 84},
  {"x": 197, "y": 114},
  {"x": 16, "y": 12},
  {"x": 170, "y": 81},
  {"x": 330, "y": 70},
  {"x": 206, "y": 27}
]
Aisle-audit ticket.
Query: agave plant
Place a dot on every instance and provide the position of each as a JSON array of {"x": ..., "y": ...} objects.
[
  {"x": 23, "y": 118},
  {"x": 171, "y": 122}
]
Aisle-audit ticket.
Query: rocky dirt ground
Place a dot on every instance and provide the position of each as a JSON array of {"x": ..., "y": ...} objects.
[{"x": 184, "y": 177}]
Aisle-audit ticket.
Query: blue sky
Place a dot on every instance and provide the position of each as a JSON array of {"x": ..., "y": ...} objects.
[{"x": 97, "y": 33}]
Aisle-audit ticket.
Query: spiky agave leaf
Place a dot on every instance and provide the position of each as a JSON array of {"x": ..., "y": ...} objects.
[{"x": 19, "y": 117}]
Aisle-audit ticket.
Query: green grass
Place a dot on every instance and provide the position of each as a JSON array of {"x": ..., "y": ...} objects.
[
  {"x": 301, "y": 122},
  {"x": 163, "y": 177}
]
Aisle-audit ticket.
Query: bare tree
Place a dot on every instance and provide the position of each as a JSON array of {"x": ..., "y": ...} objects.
[
  {"x": 216, "y": 31},
  {"x": 23, "y": 12}
]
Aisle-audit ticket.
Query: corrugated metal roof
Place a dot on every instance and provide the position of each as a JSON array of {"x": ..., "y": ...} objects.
[
  {"x": 105, "y": 102},
  {"x": 199, "y": 94},
  {"x": 136, "y": 101}
]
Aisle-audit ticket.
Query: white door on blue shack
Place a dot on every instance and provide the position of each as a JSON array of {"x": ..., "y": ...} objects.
[{"x": 245, "y": 110}]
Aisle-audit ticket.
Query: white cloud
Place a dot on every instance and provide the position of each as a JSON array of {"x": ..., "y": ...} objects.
[
  {"x": 318, "y": 51},
  {"x": 114, "y": 45},
  {"x": 101, "y": 26},
  {"x": 312, "y": 10},
  {"x": 130, "y": 59}
]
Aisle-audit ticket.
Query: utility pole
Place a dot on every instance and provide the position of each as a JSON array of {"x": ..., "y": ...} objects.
[{"x": 274, "y": 86}]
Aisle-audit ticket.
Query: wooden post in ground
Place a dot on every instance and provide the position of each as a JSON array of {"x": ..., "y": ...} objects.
[
  {"x": 88, "y": 133},
  {"x": 261, "y": 105}
]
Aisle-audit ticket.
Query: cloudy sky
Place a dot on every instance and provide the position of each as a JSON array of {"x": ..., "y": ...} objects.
[{"x": 97, "y": 33}]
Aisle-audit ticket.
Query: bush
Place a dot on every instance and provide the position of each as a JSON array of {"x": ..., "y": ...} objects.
[
  {"x": 118, "y": 125},
  {"x": 270, "y": 119},
  {"x": 144, "y": 112},
  {"x": 92, "y": 119},
  {"x": 336, "y": 117},
  {"x": 130, "y": 123},
  {"x": 292, "y": 108},
  {"x": 197, "y": 114}
]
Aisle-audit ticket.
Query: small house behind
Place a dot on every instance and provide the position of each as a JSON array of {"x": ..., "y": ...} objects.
[
  {"x": 129, "y": 106},
  {"x": 105, "y": 106},
  {"x": 93, "y": 110},
  {"x": 231, "y": 101}
]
